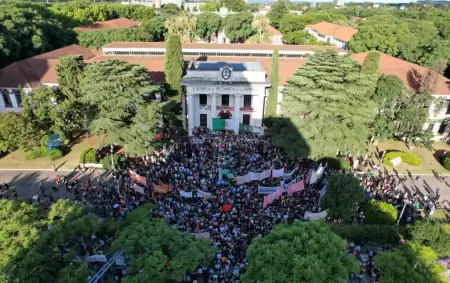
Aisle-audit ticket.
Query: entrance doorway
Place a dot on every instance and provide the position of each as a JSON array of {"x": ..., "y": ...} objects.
[{"x": 225, "y": 114}]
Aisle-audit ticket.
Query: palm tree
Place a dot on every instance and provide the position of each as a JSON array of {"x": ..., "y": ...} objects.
[
  {"x": 182, "y": 25},
  {"x": 260, "y": 24}
]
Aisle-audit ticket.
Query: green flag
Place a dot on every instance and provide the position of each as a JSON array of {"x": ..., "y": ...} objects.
[
  {"x": 218, "y": 124},
  {"x": 245, "y": 128}
]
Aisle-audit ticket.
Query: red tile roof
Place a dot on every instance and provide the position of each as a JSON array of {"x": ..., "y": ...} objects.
[
  {"x": 273, "y": 30},
  {"x": 39, "y": 69},
  {"x": 111, "y": 24},
  {"x": 406, "y": 71},
  {"x": 344, "y": 33},
  {"x": 232, "y": 46}
]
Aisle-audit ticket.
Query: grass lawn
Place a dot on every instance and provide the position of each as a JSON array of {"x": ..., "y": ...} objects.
[
  {"x": 16, "y": 159},
  {"x": 429, "y": 161}
]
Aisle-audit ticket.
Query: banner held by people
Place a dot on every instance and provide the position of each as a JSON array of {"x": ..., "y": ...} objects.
[{"x": 138, "y": 178}]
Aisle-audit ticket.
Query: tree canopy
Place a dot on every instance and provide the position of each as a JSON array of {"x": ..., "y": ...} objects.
[
  {"x": 233, "y": 5},
  {"x": 410, "y": 263},
  {"x": 277, "y": 12},
  {"x": 302, "y": 252},
  {"x": 272, "y": 100},
  {"x": 162, "y": 252},
  {"x": 117, "y": 91},
  {"x": 207, "y": 25},
  {"x": 238, "y": 27},
  {"x": 327, "y": 101},
  {"x": 173, "y": 65},
  {"x": 343, "y": 195},
  {"x": 432, "y": 234}
]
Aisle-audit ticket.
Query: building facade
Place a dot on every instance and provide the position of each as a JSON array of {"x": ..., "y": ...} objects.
[
  {"x": 225, "y": 90},
  {"x": 334, "y": 34}
]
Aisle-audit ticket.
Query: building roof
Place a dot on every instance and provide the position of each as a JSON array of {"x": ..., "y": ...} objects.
[
  {"x": 273, "y": 30},
  {"x": 408, "y": 72},
  {"x": 231, "y": 46},
  {"x": 111, "y": 24},
  {"x": 344, "y": 33},
  {"x": 38, "y": 69}
]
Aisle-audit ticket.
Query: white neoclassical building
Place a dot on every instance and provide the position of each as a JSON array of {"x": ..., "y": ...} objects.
[{"x": 226, "y": 90}]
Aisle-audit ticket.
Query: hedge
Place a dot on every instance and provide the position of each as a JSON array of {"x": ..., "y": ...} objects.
[
  {"x": 379, "y": 212},
  {"x": 382, "y": 234},
  {"x": 55, "y": 154},
  {"x": 106, "y": 161},
  {"x": 446, "y": 163},
  {"x": 36, "y": 153},
  {"x": 407, "y": 157},
  {"x": 88, "y": 156}
]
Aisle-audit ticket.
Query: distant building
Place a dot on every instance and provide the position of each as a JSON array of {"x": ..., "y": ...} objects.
[
  {"x": 276, "y": 35},
  {"x": 334, "y": 34},
  {"x": 111, "y": 24}
]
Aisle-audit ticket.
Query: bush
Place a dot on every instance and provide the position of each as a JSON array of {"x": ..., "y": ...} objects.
[
  {"x": 36, "y": 153},
  {"x": 139, "y": 214},
  {"x": 55, "y": 154},
  {"x": 407, "y": 157},
  {"x": 88, "y": 156},
  {"x": 379, "y": 212},
  {"x": 446, "y": 162},
  {"x": 382, "y": 234},
  {"x": 106, "y": 161}
]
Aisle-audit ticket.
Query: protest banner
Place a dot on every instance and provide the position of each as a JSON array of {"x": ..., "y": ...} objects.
[
  {"x": 161, "y": 188},
  {"x": 296, "y": 187},
  {"x": 322, "y": 192},
  {"x": 277, "y": 173},
  {"x": 243, "y": 179},
  {"x": 252, "y": 176},
  {"x": 266, "y": 190},
  {"x": 202, "y": 194},
  {"x": 139, "y": 189},
  {"x": 315, "y": 216},
  {"x": 289, "y": 175},
  {"x": 138, "y": 178},
  {"x": 185, "y": 194},
  {"x": 91, "y": 165}
]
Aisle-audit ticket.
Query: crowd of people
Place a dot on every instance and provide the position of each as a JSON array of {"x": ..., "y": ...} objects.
[{"x": 229, "y": 214}]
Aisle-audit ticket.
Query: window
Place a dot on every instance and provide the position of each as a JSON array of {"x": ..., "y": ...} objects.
[
  {"x": 247, "y": 101},
  {"x": 442, "y": 127},
  {"x": 246, "y": 119},
  {"x": 203, "y": 120},
  {"x": 7, "y": 99},
  {"x": 203, "y": 99},
  {"x": 448, "y": 107},
  {"x": 225, "y": 100},
  {"x": 430, "y": 127},
  {"x": 18, "y": 99}
]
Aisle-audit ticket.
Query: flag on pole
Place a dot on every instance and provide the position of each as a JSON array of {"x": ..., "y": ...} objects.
[
  {"x": 232, "y": 124},
  {"x": 308, "y": 177},
  {"x": 322, "y": 192},
  {"x": 313, "y": 177}
]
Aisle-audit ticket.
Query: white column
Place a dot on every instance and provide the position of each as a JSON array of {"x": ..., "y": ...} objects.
[
  {"x": 213, "y": 105},
  {"x": 237, "y": 108},
  {"x": 191, "y": 117}
]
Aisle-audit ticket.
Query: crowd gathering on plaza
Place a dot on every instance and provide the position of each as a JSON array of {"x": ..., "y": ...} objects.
[{"x": 210, "y": 204}]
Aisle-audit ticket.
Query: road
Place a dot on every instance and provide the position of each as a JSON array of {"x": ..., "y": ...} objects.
[{"x": 26, "y": 183}]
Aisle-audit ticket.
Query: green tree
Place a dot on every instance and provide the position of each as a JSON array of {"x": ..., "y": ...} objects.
[
  {"x": 277, "y": 12},
  {"x": 209, "y": 7},
  {"x": 75, "y": 272},
  {"x": 343, "y": 195},
  {"x": 170, "y": 9},
  {"x": 291, "y": 22},
  {"x": 143, "y": 130},
  {"x": 379, "y": 212},
  {"x": 117, "y": 91},
  {"x": 16, "y": 133},
  {"x": 234, "y": 5},
  {"x": 327, "y": 101},
  {"x": 162, "y": 252},
  {"x": 38, "y": 107},
  {"x": 260, "y": 24},
  {"x": 413, "y": 264},
  {"x": 301, "y": 37},
  {"x": 156, "y": 27},
  {"x": 19, "y": 228},
  {"x": 207, "y": 25},
  {"x": 272, "y": 100},
  {"x": 173, "y": 66},
  {"x": 432, "y": 234},
  {"x": 302, "y": 252},
  {"x": 65, "y": 210},
  {"x": 70, "y": 73},
  {"x": 371, "y": 65},
  {"x": 238, "y": 27}
]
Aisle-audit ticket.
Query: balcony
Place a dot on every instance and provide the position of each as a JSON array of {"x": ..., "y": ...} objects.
[
  {"x": 205, "y": 107},
  {"x": 247, "y": 109},
  {"x": 223, "y": 107}
]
